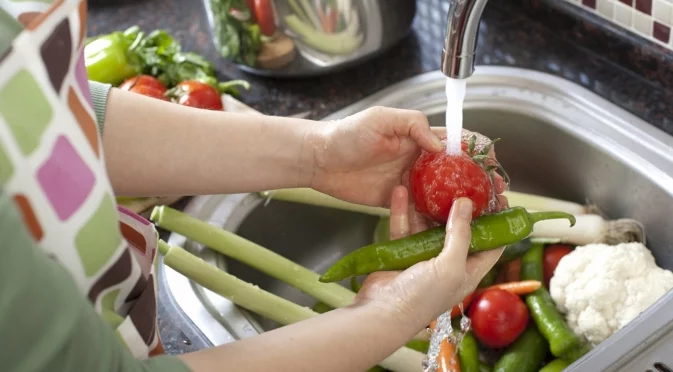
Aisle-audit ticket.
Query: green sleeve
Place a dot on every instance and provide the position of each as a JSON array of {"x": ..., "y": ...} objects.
[
  {"x": 99, "y": 94},
  {"x": 45, "y": 323}
]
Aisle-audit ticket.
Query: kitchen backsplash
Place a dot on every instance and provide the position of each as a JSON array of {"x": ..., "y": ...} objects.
[{"x": 650, "y": 19}]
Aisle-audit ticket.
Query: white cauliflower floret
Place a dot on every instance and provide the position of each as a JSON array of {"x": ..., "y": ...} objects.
[{"x": 601, "y": 287}]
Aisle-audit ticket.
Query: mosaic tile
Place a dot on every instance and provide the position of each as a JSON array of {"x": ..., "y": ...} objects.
[{"x": 649, "y": 19}]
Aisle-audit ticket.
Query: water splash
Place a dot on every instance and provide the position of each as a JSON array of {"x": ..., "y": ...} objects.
[
  {"x": 444, "y": 331},
  {"x": 455, "y": 96}
]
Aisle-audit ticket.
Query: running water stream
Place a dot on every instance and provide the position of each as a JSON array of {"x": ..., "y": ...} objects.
[{"x": 455, "y": 96}]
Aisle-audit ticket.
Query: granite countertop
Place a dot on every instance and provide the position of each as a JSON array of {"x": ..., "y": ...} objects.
[{"x": 506, "y": 38}]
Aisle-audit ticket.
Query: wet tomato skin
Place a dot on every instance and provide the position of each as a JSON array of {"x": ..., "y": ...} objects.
[{"x": 437, "y": 179}]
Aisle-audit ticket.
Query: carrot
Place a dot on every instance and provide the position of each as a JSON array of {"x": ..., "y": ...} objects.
[
  {"x": 448, "y": 355},
  {"x": 518, "y": 288},
  {"x": 513, "y": 271},
  {"x": 466, "y": 302}
]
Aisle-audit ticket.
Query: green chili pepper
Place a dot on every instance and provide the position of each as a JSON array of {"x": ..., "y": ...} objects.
[
  {"x": 488, "y": 232},
  {"x": 109, "y": 60},
  {"x": 468, "y": 353},
  {"x": 322, "y": 308},
  {"x": 550, "y": 322}
]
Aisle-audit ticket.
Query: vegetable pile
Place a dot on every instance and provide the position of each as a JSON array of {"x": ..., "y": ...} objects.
[
  {"x": 154, "y": 65},
  {"x": 553, "y": 295}
]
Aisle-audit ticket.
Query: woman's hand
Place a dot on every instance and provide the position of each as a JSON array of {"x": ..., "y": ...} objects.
[
  {"x": 361, "y": 158},
  {"x": 426, "y": 290}
]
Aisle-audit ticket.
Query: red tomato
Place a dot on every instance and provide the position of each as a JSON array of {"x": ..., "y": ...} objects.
[
  {"x": 197, "y": 94},
  {"x": 264, "y": 17},
  {"x": 149, "y": 91},
  {"x": 498, "y": 317},
  {"x": 513, "y": 271},
  {"x": 251, "y": 7},
  {"x": 552, "y": 256},
  {"x": 437, "y": 179},
  {"x": 466, "y": 303},
  {"x": 143, "y": 80}
]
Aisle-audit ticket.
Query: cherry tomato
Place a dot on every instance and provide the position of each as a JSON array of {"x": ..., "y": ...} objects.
[
  {"x": 143, "y": 80},
  {"x": 264, "y": 17},
  {"x": 197, "y": 94},
  {"x": 552, "y": 256},
  {"x": 498, "y": 317},
  {"x": 149, "y": 91},
  {"x": 437, "y": 179}
]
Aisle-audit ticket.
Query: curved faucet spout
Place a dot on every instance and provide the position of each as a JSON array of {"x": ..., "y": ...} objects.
[{"x": 462, "y": 30}]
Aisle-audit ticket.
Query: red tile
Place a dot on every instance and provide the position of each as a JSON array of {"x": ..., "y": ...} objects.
[
  {"x": 627, "y": 2},
  {"x": 644, "y": 6},
  {"x": 661, "y": 32},
  {"x": 589, "y": 3}
]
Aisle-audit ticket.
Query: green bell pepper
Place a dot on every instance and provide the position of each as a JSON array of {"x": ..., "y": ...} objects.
[{"x": 109, "y": 59}]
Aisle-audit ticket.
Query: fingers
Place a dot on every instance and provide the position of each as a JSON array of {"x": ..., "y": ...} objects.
[
  {"x": 414, "y": 124},
  {"x": 458, "y": 235},
  {"x": 399, "y": 213},
  {"x": 478, "y": 265}
]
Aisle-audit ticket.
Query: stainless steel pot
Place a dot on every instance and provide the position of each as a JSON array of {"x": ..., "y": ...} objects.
[{"x": 360, "y": 30}]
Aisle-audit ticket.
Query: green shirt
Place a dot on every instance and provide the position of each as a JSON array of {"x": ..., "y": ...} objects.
[{"x": 46, "y": 324}]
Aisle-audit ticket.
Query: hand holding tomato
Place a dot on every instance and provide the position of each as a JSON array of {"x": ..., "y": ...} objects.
[{"x": 362, "y": 157}]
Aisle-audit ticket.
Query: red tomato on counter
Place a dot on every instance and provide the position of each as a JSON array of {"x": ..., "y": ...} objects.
[
  {"x": 143, "y": 80},
  {"x": 437, "y": 179},
  {"x": 552, "y": 256},
  {"x": 498, "y": 317},
  {"x": 264, "y": 17},
  {"x": 197, "y": 94}
]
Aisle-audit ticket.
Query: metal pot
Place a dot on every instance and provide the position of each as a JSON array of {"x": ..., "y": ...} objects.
[{"x": 331, "y": 38}]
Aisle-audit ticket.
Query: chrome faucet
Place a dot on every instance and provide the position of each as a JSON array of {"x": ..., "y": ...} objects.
[{"x": 460, "y": 44}]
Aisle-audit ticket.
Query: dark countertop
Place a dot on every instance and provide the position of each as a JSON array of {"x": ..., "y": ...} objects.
[{"x": 506, "y": 38}]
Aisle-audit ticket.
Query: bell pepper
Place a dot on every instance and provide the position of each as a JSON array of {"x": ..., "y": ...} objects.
[{"x": 109, "y": 59}]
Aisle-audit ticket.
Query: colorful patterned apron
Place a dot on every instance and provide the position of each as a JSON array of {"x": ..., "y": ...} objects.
[{"x": 52, "y": 165}]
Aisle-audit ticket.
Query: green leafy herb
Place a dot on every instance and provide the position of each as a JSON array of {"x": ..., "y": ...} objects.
[{"x": 237, "y": 38}]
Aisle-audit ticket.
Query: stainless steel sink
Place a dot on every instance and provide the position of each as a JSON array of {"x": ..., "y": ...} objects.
[{"x": 557, "y": 139}]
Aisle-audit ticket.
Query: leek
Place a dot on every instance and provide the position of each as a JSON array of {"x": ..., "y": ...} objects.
[
  {"x": 316, "y": 198},
  {"x": 591, "y": 229},
  {"x": 545, "y": 204},
  {"x": 252, "y": 254},
  {"x": 263, "y": 303},
  {"x": 344, "y": 42}
]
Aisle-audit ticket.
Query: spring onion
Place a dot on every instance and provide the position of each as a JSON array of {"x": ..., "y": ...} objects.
[
  {"x": 252, "y": 254},
  {"x": 312, "y": 197},
  {"x": 263, "y": 303},
  {"x": 591, "y": 228},
  {"x": 344, "y": 42},
  {"x": 543, "y": 204}
]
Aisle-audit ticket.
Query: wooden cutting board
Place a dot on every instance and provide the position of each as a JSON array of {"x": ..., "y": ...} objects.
[{"x": 141, "y": 205}]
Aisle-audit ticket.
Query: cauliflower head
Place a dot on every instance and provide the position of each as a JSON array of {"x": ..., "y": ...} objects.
[{"x": 601, "y": 287}]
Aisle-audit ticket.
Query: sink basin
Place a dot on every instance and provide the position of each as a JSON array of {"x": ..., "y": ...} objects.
[{"x": 557, "y": 139}]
